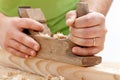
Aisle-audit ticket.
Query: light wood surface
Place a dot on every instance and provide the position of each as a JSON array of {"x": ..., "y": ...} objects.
[
  {"x": 69, "y": 72},
  {"x": 14, "y": 74}
]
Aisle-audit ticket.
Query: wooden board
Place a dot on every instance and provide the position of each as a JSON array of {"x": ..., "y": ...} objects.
[
  {"x": 69, "y": 72},
  {"x": 14, "y": 74}
]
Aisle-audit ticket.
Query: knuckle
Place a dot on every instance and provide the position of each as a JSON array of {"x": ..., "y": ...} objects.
[
  {"x": 21, "y": 21},
  {"x": 9, "y": 33},
  {"x": 5, "y": 43},
  {"x": 102, "y": 32},
  {"x": 103, "y": 19},
  {"x": 92, "y": 51},
  {"x": 19, "y": 54},
  {"x": 100, "y": 17},
  {"x": 89, "y": 52},
  {"x": 22, "y": 39},
  {"x": 86, "y": 42},
  {"x": 72, "y": 31},
  {"x": 28, "y": 41},
  {"x": 22, "y": 48},
  {"x": 83, "y": 33},
  {"x": 10, "y": 50},
  {"x": 97, "y": 50},
  {"x": 90, "y": 19},
  {"x": 17, "y": 45},
  {"x": 100, "y": 48},
  {"x": 86, "y": 33},
  {"x": 24, "y": 21},
  {"x": 26, "y": 50},
  {"x": 31, "y": 43},
  {"x": 105, "y": 30},
  {"x": 28, "y": 22},
  {"x": 16, "y": 21}
]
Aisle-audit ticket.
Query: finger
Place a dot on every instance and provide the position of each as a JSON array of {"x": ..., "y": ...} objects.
[
  {"x": 86, "y": 50},
  {"x": 25, "y": 40},
  {"x": 28, "y": 23},
  {"x": 91, "y": 19},
  {"x": 87, "y": 41},
  {"x": 16, "y": 53},
  {"x": 91, "y": 32},
  {"x": 70, "y": 18},
  {"x": 20, "y": 47}
]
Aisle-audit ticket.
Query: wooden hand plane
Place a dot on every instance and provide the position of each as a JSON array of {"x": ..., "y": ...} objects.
[{"x": 57, "y": 49}]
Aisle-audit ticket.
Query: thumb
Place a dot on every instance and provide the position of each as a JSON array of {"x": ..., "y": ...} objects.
[{"x": 70, "y": 18}]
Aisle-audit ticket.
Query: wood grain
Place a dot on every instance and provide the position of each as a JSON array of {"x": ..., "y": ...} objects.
[
  {"x": 48, "y": 67},
  {"x": 14, "y": 74}
]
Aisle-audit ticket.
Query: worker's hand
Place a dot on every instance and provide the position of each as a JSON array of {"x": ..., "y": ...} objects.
[
  {"x": 87, "y": 31},
  {"x": 14, "y": 40}
]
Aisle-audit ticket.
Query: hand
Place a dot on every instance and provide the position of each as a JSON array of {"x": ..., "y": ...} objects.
[
  {"x": 14, "y": 40},
  {"x": 87, "y": 31}
]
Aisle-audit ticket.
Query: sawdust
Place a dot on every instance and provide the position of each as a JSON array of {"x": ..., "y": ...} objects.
[
  {"x": 54, "y": 36},
  {"x": 59, "y": 36},
  {"x": 13, "y": 74}
]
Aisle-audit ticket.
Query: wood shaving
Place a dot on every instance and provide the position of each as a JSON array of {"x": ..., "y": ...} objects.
[
  {"x": 59, "y": 36},
  {"x": 54, "y": 36}
]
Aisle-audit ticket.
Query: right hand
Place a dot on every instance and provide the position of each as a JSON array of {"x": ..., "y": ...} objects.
[
  {"x": 87, "y": 31},
  {"x": 14, "y": 40}
]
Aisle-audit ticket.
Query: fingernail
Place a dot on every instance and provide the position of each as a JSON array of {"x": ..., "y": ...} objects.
[
  {"x": 69, "y": 20},
  {"x": 33, "y": 53},
  {"x": 42, "y": 27},
  {"x": 36, "y": 47},
  {"x": 26, "y": 56},
  {"x": 74, "y": 50}
]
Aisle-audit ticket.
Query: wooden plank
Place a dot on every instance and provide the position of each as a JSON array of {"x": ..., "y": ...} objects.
[
  {"x": 49, "y": 67},
  {"x": 14, "y": 74}
]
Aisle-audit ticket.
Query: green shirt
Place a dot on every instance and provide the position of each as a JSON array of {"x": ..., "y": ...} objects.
[{"x": 54, "y": 11}]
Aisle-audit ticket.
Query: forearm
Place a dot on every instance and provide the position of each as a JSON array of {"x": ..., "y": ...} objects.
[{"x": 101, "y": 6}]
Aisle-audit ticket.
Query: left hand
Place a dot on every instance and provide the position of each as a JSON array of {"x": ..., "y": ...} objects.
[{"x": 87, "y": 31}]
